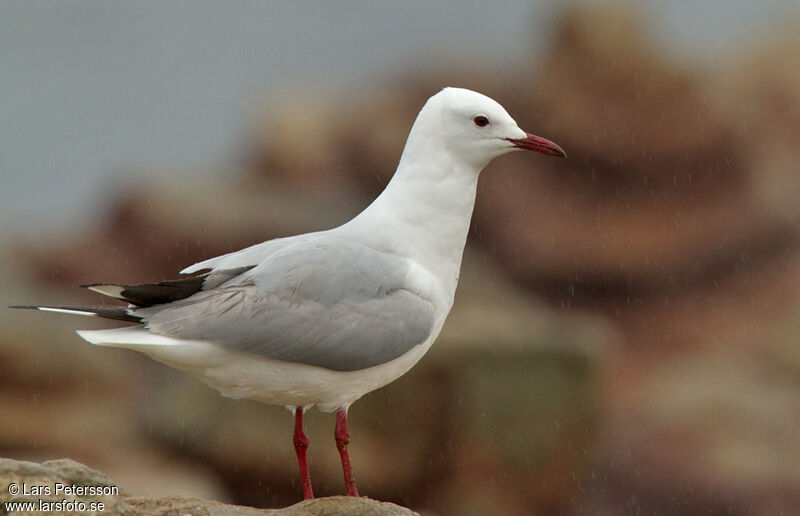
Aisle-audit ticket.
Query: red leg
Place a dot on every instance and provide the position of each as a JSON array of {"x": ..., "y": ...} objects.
[
  {"x": 342, "y": 440},
  {"x": 300, "y": 445}
]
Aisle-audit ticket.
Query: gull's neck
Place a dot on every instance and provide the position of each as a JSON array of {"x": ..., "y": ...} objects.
[{"x": 424, "y": 213}]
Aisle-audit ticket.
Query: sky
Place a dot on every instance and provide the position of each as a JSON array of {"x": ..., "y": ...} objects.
[{"x": 93, "y": 93}]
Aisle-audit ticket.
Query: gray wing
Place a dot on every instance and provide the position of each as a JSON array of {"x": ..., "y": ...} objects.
[{"x": 339, "y": 306}]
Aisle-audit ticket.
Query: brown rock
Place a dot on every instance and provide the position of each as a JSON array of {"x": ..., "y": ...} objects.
[
  {"x": 657, "y": 190},
  {"x": 758, "y": 93},
  {"x": 49, "y": 476},
  {"x": 711, "y": 434}
]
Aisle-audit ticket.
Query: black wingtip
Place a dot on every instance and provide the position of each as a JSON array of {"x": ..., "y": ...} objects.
[{"x": 24, "y": 307}]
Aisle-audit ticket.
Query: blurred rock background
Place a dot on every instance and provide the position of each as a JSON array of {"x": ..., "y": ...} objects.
[{"x": 625, "y": 336}]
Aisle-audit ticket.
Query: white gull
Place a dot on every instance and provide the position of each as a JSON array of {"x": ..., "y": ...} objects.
[{"x": 324, "y": 318}]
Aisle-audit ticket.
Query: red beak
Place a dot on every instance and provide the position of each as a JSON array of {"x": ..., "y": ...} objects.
[{"x": 538, "y": 144}]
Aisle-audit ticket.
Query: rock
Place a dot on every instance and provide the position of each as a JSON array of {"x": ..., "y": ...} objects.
[
  {"x": 708, "y": 434},
  {"x": 656, "y": 194},
  {"x": 39, "y": 483},
  {"x": 769, "y": 118},
  {"x": 330, "y": 506},
  {"x": 49, "y": 483}
]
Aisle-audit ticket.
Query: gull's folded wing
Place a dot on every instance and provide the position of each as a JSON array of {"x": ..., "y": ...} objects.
[{"x": 341, "y": 307}]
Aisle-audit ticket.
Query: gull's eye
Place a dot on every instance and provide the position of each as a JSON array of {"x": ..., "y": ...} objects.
[{"x": 481, "y": 121}]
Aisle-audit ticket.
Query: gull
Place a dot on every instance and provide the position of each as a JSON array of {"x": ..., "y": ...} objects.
[{"x": 321, "y": 319}]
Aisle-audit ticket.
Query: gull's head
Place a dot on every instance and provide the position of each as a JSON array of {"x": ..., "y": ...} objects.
[{"x": 478, "y": 129}]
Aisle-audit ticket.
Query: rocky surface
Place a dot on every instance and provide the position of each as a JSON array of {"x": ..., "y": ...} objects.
[{"x": 56, "y": 487}]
